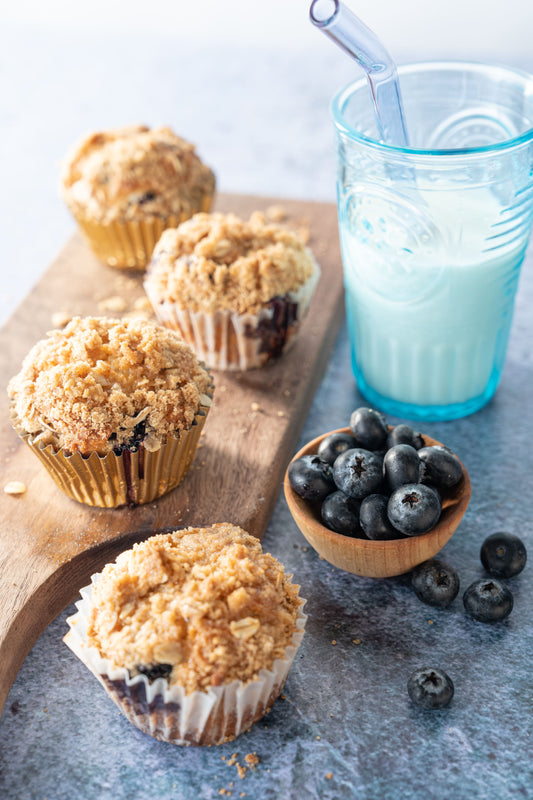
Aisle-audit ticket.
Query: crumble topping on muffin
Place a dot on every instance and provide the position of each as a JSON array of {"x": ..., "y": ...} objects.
[
  {"x": 218, "y": 261},
  {"x": 201, "y": 607},
  {"x": 135, "y": 172},
  {"x": 100, "y": 383}
]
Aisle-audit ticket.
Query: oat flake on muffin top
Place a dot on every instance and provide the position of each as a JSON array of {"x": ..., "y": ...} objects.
[
  {"x": 218, "y": 261},
  {"x": 135, "y": 172},
  {"x": 85, "y": 388},
  {"x": 206, "y": 604}
]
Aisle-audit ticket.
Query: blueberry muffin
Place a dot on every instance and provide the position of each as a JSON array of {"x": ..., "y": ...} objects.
[
  {"x": 192, "y": 633},
  {"x": 236, "y": 290},
  {"x": 113, "y": 408},
  {"x": 125, "y": 186}
]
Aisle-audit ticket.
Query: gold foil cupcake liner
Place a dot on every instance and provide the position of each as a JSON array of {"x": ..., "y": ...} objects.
[
  {"x": 225, "y": 340},
  {"x": 129, "y": 245},
  {"x": 131, "y": 478},
  {"x": 166, "y": 712}
]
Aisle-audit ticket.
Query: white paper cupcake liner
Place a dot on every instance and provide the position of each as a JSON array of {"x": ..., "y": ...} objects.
[
  {"x": 226, "y": 340},
  {"x": 166, "y": 712}
]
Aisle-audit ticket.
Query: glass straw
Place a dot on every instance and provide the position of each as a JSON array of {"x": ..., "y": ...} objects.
[{"x": 361, "y": 44}]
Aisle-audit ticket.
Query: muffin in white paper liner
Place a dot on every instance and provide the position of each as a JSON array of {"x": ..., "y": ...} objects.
[
  {"x": 227, "y": 340},
  {"x": 166, "y": 712}
]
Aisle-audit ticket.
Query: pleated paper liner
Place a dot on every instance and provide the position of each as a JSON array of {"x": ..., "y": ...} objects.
[
  {"x": 129, "y": 245},
  {"x": 226, "y": 340},
  {"x": 166, "y": 712},
  {"x": 131, "y": 478}
]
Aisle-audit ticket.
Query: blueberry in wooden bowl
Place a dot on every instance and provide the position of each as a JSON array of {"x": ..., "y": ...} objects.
[{"x": 380, "y": 557}]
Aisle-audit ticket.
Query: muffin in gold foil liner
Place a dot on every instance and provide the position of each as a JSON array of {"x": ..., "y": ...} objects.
[
  {"x": 168, "y": 713},
  {"x": 129, "y": 245},
  {"x": 133, "y": 477}
]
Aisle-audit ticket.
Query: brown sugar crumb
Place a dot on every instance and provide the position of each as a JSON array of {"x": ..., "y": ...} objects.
[
  {"x": 134, "y": 173},
  {"x": 15, "y": 487},
  {"x": 251, "y": 759},
  {"x": 218, "y": 261},
  {"x": 87, "y": 387},
  {"x": 329, "y": 776},
  {"x": 207, "y": 601}
]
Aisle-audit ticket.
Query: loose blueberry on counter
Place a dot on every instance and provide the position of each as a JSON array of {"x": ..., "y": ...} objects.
[
  {"x": 488, "y": 600},
  {"x": 401, "y": 465},
  {"x": 311, "y": 478},
  {"x": 440, "y": 467},
  {"x": 340, "y": 513},
  {"x": 155, "y": 671},
  {"x": 435, "y": 583},
  {"x": 358, "y": 472},
  {"x": 374, "y": 520},
  {"x": 369, "y": 428},
  {"x": 430, "y": 688},
  {"x": 333, "y": 445},
  {"x": 503, "y": 554},
  {"x": 414, "y": 509},
  {"x": 404, "y": 434}
]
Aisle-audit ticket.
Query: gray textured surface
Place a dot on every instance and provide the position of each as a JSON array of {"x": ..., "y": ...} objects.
[{"x": 346, "y": 712}]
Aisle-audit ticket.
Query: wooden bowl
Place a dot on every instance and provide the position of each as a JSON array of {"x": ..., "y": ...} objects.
[{"x": 377, "y": 559}]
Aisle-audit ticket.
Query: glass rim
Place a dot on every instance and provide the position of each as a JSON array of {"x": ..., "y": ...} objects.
[{"x": 341, "y": 97}]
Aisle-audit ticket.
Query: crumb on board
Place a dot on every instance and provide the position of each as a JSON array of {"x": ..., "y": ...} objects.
[
  {"x": 277, "y": 213},
  {"x": 115, "y": 303},
  {"x": 60, "y": 319},
  {"x": 142, "y": 304},
  {"x": 254, "y": 406},
  {"x": 15, "y": 487}
]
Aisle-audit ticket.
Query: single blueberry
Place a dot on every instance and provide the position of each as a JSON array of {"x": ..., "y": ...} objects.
[
  {"x": 358, "y": 472},
  {"x": 340, "y": 513},
  {"x": 440, "y": 467},
  {"x": 374, "y": 520},
  {"x": 147, "y": 197},
  {"x": 430, "y": 688},
  {"x": 155, "y": 671},
  {"x": 404, "y": 434},
  {"x": 503, "y": 554},
  {"x": 335, "y": 444},
  {"x": 414, "y": 509},
  {"x": 401, "y": 465},
  {"x": 369, "y": 428},
  {"x": 435, "y": 583},
  {"x": 311, "y": 478},
  {"x": 488, "y": 600}
]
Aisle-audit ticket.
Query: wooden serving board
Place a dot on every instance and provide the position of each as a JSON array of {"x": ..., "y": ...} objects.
[{"x": 49, "y": 544}]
